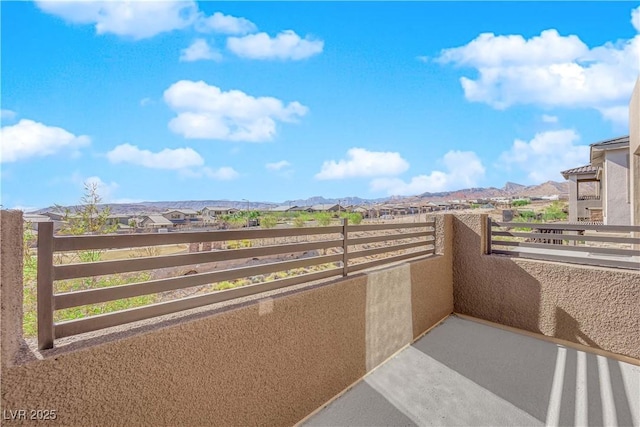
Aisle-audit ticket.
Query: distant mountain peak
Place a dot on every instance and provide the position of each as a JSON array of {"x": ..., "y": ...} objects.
[{"x": 512, "y": 186}]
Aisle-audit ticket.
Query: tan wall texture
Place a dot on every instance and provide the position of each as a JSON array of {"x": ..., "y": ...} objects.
[
  {"x": 634, "y": 149},
  {"x": 599, "y": 307},
  {"x": 270, "y": 362}
]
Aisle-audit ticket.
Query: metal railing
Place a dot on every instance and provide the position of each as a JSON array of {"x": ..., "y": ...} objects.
[
  {"x": 420, "y": 238},
  {"x": 589, "y": 197},
  {"x": 612, "y": 246}
]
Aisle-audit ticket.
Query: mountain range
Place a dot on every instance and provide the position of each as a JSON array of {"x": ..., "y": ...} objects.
[{"x": 510, "y": 189}]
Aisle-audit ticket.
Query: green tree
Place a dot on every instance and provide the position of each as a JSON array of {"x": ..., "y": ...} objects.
[
  {"x": 83, "y": 219},
  {"x": 88, "y": 218}
]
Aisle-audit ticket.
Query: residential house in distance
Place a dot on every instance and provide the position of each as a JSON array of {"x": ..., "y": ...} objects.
[
  {"x": 326, "y": 207},
  {"x": 181, "y": 216},
  {"x": 282, "y": 208},
  {"x": 601, "y": 190},
  {"x": 155, "y": 222},
  {"x": 300, "y": 209},
  {"x": 32, "y": 220},
  {"x": 211, "y": 213}
]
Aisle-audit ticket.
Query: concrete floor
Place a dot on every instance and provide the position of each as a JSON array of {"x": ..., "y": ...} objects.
[{"x": 464, "y": 373}]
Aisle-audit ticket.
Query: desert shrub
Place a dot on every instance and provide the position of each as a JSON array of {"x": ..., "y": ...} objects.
[
  {"x": 555, "y": 212},
  {"x": 354, "y": 218},
  {"x": 323, "y": 218}
]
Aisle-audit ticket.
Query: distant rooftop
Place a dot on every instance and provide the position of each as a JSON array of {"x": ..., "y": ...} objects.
[
  {"x": 182, "y": 211},
  {"x": 159, "y": 219}
]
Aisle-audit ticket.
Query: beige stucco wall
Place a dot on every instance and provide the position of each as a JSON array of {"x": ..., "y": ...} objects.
[
  {"x": 599, "y": 307},
  {"x": 634, "y": 149},
  {"x": 268, "y": 362},
  {"x": 617, "y": 206}
]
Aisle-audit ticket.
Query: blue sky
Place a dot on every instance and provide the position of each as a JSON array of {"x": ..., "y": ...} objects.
[{"x": 274, "y": 101}]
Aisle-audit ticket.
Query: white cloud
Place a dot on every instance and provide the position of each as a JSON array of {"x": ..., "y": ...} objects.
[
  {"x": 105, "y": 190},
  {"x": 618, "y": 114},
  {"x": 199, "y": 50},
  {"x": 549, "y": 70},
  {"x": 225, "y": 173},
  {"x": 226, "y": 24},
  {"x": 286, "y": 45},
  {"x": 206, "y": 112},
  {"x": 178, "y": 158},
  {"x": 463, "y": 169},
  {"x": 7, "y": 114},
  {"x": 146, "y": 101},
  {"x": 546, "y": 155},
  {"x": 276, "y": 166},
  {"x": 135, "y": 19},
  {"x": 635, "y": 18},
  {"x": 549, "y": 119},
  {"x": 32, "y": 139},
  {"x": 363, "y": 163}
]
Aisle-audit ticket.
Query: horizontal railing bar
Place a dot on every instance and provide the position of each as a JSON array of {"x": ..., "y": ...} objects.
[
  {"x": 574, "y": 260},
  {"x": 70, "y": 271},
  {"x": 373, "y": 239},
  {"x": 592, "y": 249},
  {"x": 374, "y": 227},
  {"x": 550, "y": 236},
  {"x": 384, "y": 249},
  {"x": 94, "y": 323},
  {"x": 570, "y": 227},
  {"x": 74, "y": 243},
  {"x": 389, "y": 260},
  {"x": 98, "y": 295}
]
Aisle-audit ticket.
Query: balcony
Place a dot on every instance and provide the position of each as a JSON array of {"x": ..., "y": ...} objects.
[
  {"x": 466, "y": 372},
  {"x": 412, "y": 337}
]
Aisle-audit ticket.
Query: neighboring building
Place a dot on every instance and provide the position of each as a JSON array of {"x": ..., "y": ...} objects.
[
  {"x": 181, "y": 216},
  {"x": 584, "y": 194},
  {"x": 282, "y": 208},
  {"x": 55, "y": 216},
  {"x": 634, "y": 151},
  {"x": 326, "y": 207},
  {"x": 601, "y": 191},
  {"x": 300, "y": 209},
  {"x": 611, "y": 158},
  {"x": 213, "y": 212},
  {"x": 32, "y": 221},
  {"x": 155, "y": 221}
]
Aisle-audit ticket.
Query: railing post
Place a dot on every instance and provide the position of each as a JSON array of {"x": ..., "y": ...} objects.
[
  {"x": 45, "y": 285},
  {"x": 345, "y": 245},
  {"x": 488, "y": 235}
]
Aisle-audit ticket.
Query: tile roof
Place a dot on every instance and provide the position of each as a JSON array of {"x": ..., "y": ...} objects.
[
  {"x": 610, "y": 142},
  {"x": 579, "y": 170}
]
